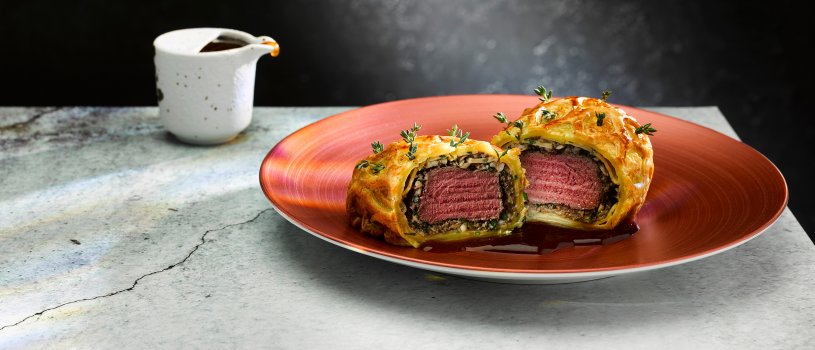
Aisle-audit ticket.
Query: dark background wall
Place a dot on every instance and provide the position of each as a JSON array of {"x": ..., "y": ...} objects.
[{"x": 748, "y": 58}]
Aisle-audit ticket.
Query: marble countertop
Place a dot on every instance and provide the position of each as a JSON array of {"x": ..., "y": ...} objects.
[{"x": 113, "y": 235}]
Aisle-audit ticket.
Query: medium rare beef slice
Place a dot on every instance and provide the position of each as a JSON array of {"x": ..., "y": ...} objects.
[
  {"x": 454, "y": 193},
  {"x": 567, "y": 179}
]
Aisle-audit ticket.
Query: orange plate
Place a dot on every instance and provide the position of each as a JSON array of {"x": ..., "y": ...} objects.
[{"x": 709, "y": 192}]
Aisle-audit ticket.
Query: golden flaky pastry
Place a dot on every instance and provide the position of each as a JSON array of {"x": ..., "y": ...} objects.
[
  {"x": 628, "y": 156},
  {"x": 375, "y": 202}
]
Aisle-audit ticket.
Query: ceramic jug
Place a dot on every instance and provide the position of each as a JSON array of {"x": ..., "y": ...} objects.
[{"x": 205, "y": 81}]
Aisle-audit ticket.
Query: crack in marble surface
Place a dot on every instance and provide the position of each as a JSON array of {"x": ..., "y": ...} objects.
[
  {"x": 136, "y": 281},
  {"x": 29, "y": 121}
]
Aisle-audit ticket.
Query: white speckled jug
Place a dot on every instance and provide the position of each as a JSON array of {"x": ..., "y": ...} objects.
[{"x": 206, "y": 97}]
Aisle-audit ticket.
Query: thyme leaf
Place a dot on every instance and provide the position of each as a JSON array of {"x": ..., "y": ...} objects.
[
  {"x": 606, "y": 94},
  {"x": 547, "y": 114},
  {"x": 600, "y": 117},
  {"x": 452, "y": 131},
  {"x": 499, "y": 155},
  {"x": 456, "y": 132},
  {"x": 376, "y": 168},
  {"x": 407, "y": 136},
  {"x": 501, "y": 117},
  {"x": 645, "y": 129},
  {"x": 463, "y": 138},
  {"x": 412, "y": 151},
  {"x": 377, "y": 146},
  {"x": 363, "y": 164},
  {"x": 545, "y": 95}
]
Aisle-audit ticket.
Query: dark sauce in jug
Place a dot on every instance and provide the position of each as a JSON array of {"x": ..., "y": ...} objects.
[
  {"x": 535, "y": 238},
  {"x": 223, "y": 43}
]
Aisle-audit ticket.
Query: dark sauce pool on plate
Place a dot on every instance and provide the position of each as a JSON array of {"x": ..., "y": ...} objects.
[{"x": 538, "y": 239}]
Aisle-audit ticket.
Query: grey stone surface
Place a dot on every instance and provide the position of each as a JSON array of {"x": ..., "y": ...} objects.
[{"x": 114, "y": 235}]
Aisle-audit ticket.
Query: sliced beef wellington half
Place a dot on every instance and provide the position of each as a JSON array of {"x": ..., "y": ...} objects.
[
  {"x": 440, "y": 192},
  {"x": 588, "y": 168}
]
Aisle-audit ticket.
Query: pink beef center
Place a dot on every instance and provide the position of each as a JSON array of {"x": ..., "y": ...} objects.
[
  {"x": 454, "y": 193},
  {"x": 566, "y": 179}
]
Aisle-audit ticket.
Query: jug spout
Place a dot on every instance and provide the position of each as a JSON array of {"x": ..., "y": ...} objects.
[{"x": 261, "y": 45}]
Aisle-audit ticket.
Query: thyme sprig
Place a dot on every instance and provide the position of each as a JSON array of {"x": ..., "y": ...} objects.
[
  {"x": 412, "y": 151},
  {"x": 501, "y": 117},
  {"x": 645, "y": 129},
  {"x": 547, "y": 114},
  {"x": 545, "y": 95},
  {"x": 363, "y": 164},
  {"x": 500, "y": 155},
  {"x": 456, "y": 132},
  {"x": 375, "y": 167},
  {"x": 409, "y": 136},
  {"x": 606, "y": 94},
  {"x": 377, "y": 146},
  {"x": 600, "y": 117}
]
